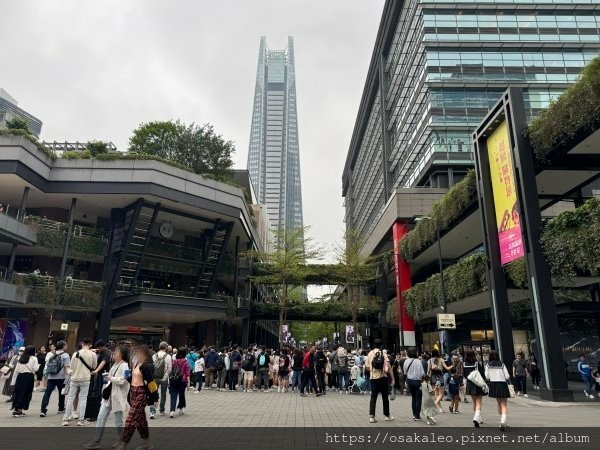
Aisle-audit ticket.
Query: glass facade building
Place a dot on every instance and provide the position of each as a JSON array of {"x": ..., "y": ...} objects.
[
  {"x": 273, "y": 156},
  {"x": 9, "y": 110},
  {"x": 437, "y": 68}
]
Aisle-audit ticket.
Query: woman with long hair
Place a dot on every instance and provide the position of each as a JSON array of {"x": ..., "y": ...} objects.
[
  {"x": 498, "y": 376},
  {"x": 23, "y": 380},
  {"x": 534, "y": 371},
  {"x": 470, "y": 364},
  {"x": 143, "y": 391},
  {"x": 117, "y": 396},
  {"x": 435, "y": 370},
  {"x": 178, "y": 381}
]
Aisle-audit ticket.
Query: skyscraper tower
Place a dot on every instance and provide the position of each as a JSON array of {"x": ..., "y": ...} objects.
[{"x": 273, "y": 156}]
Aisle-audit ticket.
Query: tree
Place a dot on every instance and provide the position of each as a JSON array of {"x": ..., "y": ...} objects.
[
  {"x": 356, "y": 270},
  {"x": 17, "y": 124},
  {"x": 97, "y": 147},
  {"x": 287, "y": 265},
  {"x": 196, "y": 147}
]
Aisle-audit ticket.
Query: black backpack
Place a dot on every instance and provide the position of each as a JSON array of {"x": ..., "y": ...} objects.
[
  {"x": 220, "y": 363},
  {"x": 321, "y": 360},
  {"x": 378, "y": 361},
  {"x": 175, "y": 376}
]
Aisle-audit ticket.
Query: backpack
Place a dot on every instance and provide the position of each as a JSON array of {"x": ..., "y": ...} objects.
[
  {"x": 159, "y": 367},
  {"x": 175, "y": 376},
  {"x": 54, "y": 364},
  {"x": 220, "y": 363},
  {"x": 378, "y": 361},
  {"x": 262, "y": 360},
  {"x": 321, "y": 360}
]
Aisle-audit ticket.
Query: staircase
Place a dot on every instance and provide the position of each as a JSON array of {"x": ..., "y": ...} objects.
[
  {"x": 216, "y": 248},
  {"x": 135, "y": 250}
]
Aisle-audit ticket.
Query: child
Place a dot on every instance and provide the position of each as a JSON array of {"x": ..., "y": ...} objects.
[
  {"x": 428, "y": 408},
  {"x": 454, "y": 390}
]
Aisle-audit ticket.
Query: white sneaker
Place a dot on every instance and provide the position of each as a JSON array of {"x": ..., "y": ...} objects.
[
  {"x": 172, "y": 414},
  {"x": 525, "y": 395},
  {"x": 591, "y": 396},
  {"x": 82, "y": 423},
  {"x": 388, "y": 418},
  {"x": 75, "y": 416},
  {"x": 518, "y": 394},
  {"x": 372, "y": 420},
  {"x": 65, "y": 423},
  {"x": 182, "y": 411}
]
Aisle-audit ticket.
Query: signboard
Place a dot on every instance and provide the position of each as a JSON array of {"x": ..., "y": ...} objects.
[
  {"x": 285, "y": 334},
  {"x": 446, "y": 322},
  {"x": 349, "y": 334},
  {"x": 64, "y": 326},
  {"x": 505, "y": 195}
]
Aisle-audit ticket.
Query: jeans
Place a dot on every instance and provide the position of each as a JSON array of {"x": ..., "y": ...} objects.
[
  {"x": 414, "y": 386},
  {"x": 343, "y": 380},
  {"x": 233, "y": 379},
  {"x": 521, "y": 384},
  {"x": 588, "y": 383},
  {"x": 58, "y": 384},
  {"x": 103, "y": 416},
  {"x": 367, "y": 380},
  {"x": 177, "y": 390},
  {"x": 380, "y": 385},
  {"x": 296, "y": 379},
  {"x": 334, "y": 379},
  {"x": 321, "y": 380},
  {"x": 308, "y": 376},
  {"x": 83, "y": 387},
  {"x": 163, "y": 384},
  {"x": 199, "y": 380},
  {"x": 263, "y": 375},
  {"x": 221, "y": 378}
]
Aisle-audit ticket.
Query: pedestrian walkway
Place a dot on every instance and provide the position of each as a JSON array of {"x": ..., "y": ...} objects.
[{"x": 271, "y": 409}]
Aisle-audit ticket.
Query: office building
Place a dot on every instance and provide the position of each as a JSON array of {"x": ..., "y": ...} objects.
[
  {"x": 273, "y": 156},
  {"x": 9, "y": 110}
]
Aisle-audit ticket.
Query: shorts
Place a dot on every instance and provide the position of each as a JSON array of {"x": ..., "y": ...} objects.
[
  {"x": 248, "y": 375},
  {"x": 437, "y": 379},
  {"x": 283, "y": 373}
]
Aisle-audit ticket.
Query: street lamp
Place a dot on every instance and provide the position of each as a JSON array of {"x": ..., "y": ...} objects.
[{"x": 439, "y": 245}]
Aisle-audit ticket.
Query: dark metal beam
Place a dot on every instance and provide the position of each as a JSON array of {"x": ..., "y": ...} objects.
[
  {"x": 157, "y": 208},
  {"x": 202, "y": 268},
  {"x": 63, "y": 264},
  {"x": 220, "y": 260}
]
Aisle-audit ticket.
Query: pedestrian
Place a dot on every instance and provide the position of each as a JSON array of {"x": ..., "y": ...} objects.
[
  {"x": 367, "y": 374},
  {"x": 586, "y": 376},
  {"x": 9, "y": 386},
  {"x": 23, "y": 381},
  {"x": 476, "y": 392},
  {"x": 520, "y": 372},
  {"x": 308, "y": 372},
  {"x": 178, "y": 381},
  {"x": 320, "y": 366},
  {"x": 284, "y": 371},
  {"x": 221, "y": 369},
  {"x": 297, "y": 360},
  {"x": 83, "y": 363},
  {"x": 210, "y": 358},
  {"x": 249, "y": 365},
  {"x": 162, "y": 362},
  {"x": 534, "y": 371},
  {"x": 143, "y": 391},
  {"x": 114, "y": 396},
  {"x": 498, "y": 376},
  {"x": 199, "y": 371},
  {"x": 262, "y": 369},
  {"x": 275, "y": 369},
  {"x": 235, "y": 364},
  {"x": 191, "y": 357},
  {"x": 334, "y": 368},
  {"x": 454, "y": 391},
  {"x": 379, "y": 366},
  {"x": 457, "y": 363},
  {"x": 40, "y": 380},
  {"x": 428, "y": 408},
  {"x": 94, "y": 399},
  {"x": 435, "y": 370},
  {"x": 414, "y": 371},
  {"x": 343, "y": 369},
  {"x": 58, "y": 363}
]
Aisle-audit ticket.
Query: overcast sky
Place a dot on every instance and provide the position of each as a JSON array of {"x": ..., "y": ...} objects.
[{"x": 97, "y": 69}]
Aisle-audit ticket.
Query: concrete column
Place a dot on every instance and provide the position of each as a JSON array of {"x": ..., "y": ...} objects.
[{"x": 403, "y": 282}]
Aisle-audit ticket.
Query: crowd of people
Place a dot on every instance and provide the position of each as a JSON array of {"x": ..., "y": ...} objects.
[{"x": 93, "y": 382}]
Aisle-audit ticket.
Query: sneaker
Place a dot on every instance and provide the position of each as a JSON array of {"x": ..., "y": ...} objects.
[
  {"x": 181, "y": 411},
  {"x": 372, "y": 420},
  {"x": 476, "y": 423},
  {"x": 93, "y": 444},
  {"x": 42, "y": 414},
  {"x": 429, "y": 422},
  {"x": 591, "y": 396},
  {"x": 525, "y": 395},
  {"x": 197, "y": 392},
  {"x": 60, "y": 411},
  {"x": 416, "y": 419},
  {"x": 456, "y": 412},
  {"x": 82, "y": 423},
  {"x": 518, "y": 394},
  {"x": 503, "y": 426},
  {"x": 172, "y": 414},
  {"x": 388, "y": 418},
  {"x": 451, "y": 409},
  {"x": 65, "y": 423},
  {"x": 466, "y": 401},
  {"x": 319, "y": 394},
  {"x": 75, "y": 416},
  {"x": 432, "y": 420},
  {"x": 162, "y": 413},
  {"x": 152, "y": 415}
]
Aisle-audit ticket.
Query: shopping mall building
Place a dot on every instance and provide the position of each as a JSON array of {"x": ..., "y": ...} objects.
[{"x": 121, "y": 250}]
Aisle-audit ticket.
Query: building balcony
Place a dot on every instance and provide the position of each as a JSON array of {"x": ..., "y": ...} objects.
[
  {"x": 10, "y": 294},
  {"x": 43, "y": 292},
  {"x": 13, "y": 229}
]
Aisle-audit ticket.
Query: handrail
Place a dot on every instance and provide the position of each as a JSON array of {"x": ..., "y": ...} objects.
[{"x": 13, "y": 212}]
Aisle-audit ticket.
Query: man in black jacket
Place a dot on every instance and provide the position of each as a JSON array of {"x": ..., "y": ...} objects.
[{"x": 320, "y": 365}]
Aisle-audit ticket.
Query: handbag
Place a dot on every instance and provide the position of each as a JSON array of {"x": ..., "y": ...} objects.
[
  {"x": 5, "y": 370},
  {"x": 476, "y": 378},
  {"x": 66, "y": 387},
  {"x": 107, "y": 391},
  {"x": 511, "y": 390}
]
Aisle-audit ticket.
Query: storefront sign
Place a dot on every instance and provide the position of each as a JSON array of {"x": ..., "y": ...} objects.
[
  {"x": 64, "y": 326},
  {"x": 446, "y": 322},
  {"x": 505, "y": 195}
]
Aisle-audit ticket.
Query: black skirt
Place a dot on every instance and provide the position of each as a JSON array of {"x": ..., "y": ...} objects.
[
  {"x": 499, "y": 389},
  {"x": 23, "y": 390},
  {"x": 473, "y": 389}
]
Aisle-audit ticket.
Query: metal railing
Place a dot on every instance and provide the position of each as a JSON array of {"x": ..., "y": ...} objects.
[
  {"x": 13, "y": 212},
  {"x": 61, "y": 147}
]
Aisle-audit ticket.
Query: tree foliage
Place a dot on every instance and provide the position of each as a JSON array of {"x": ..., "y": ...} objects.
[
  {"x": 193, "y": 146},
  {"x": 17, "y": 123}
]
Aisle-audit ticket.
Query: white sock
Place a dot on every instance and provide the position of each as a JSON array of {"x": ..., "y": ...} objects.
[
  {"x": 503, "y": 418},
  {"x": 477, "y": 415}
]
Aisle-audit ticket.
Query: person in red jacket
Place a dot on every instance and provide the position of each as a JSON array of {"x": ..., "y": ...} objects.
[{"x": 308, "y": 371}]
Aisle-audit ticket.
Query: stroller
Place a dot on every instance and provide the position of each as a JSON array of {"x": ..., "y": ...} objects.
[{"x": 358, "y": 381}]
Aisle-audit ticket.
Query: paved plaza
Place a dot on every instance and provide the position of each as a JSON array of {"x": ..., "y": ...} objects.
[{"x": 272, "y": 409}]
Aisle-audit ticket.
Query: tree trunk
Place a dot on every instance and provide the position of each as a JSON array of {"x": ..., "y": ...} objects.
[
  {"x": 282, "y": 305},
  {"x": 353, "y": 292}
]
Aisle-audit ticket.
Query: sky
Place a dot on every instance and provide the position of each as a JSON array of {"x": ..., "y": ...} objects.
[{"x": 97, "y": 69}]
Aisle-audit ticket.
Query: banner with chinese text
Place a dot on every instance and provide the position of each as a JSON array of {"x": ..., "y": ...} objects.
[{"x": 505, "y": 195}]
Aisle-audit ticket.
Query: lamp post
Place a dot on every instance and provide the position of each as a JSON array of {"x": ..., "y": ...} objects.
[{"x": 439, "y": 246}]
